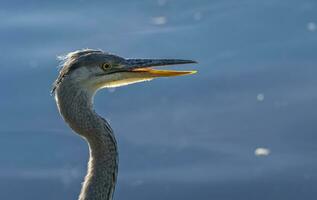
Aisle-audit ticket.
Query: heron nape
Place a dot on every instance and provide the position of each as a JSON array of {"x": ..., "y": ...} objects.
[{"x": 82, "y": 74}]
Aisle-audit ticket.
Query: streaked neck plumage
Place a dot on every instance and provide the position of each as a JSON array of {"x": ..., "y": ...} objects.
[{"x": 75, "y": 104}]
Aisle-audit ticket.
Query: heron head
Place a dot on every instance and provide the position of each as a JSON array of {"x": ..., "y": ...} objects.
[{"x": 95, "y": 69}]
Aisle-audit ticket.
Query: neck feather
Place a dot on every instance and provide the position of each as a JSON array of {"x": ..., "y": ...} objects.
[{"x": 76, "y": 106}]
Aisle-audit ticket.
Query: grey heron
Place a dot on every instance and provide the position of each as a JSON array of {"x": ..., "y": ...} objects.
[{"x": 82, "y": 74}]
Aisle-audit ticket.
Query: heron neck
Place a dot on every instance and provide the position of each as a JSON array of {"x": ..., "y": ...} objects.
[{"x": 76, "y": 106}]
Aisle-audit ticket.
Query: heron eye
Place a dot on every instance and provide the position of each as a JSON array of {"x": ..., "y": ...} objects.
[{"x": 106, "y": 66}]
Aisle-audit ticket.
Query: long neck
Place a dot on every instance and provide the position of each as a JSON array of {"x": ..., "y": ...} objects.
[{"x": 76, "y": 106}]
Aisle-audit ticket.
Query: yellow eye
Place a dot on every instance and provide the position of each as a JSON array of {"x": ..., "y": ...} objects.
[{"x": 106, "y": 66}]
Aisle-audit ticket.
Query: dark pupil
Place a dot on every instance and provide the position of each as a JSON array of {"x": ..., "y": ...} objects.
[{"x": 106, "y": 66}]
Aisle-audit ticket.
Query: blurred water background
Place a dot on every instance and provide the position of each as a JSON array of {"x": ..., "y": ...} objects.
[{"x": 244, "y": 127}]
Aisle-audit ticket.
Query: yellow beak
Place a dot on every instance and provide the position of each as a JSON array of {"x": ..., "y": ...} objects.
[{"x": 148, "y": 72}]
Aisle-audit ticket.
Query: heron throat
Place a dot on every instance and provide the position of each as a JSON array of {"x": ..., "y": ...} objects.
[{"x": 75, "y": 104}]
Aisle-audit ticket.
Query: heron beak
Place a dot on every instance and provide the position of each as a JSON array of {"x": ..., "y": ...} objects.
[{"x": 144, "y": 67}]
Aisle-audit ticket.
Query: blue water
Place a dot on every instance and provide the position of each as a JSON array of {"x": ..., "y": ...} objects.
[{"x": 243, "y": 127}]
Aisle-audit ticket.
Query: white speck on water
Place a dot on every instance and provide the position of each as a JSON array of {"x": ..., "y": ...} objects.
[
  {"x": 260, "y": 97},
  {"x": 161, "y": 2},
  {"x": 160, "y": 20},
  {"x": 262, "y": 151},
  {"x": 197, "y": 16},
  {"x": 311, "y": 26}
]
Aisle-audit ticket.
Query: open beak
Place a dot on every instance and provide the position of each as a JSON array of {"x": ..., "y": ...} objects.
[{"x": 144, "y": 67}]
